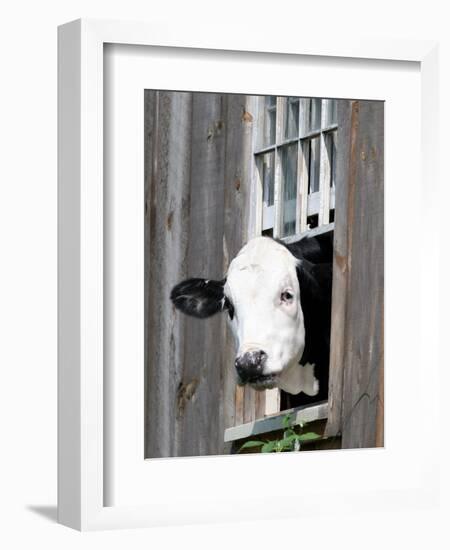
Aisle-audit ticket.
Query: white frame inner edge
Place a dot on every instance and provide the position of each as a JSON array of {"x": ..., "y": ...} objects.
[{"x": 81, "y": 461}]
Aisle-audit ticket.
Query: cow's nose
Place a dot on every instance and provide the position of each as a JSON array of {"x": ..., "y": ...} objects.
[{"x": 249, "y": 365}]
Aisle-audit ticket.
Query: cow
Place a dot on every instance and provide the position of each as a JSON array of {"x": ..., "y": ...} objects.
[{"x": 277, "y": 298}]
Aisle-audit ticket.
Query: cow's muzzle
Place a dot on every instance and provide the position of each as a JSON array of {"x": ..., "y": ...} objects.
[{"x": 250, "y": 365}]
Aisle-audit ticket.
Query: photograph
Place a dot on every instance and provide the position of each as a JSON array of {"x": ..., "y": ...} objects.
[{"x": 264, "y": 273}]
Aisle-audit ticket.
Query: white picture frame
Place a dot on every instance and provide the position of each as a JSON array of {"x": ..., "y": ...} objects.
[{"x": 81, "y": 480}]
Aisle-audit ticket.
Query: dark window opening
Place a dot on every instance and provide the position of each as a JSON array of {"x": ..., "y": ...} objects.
[
  {"x": 288, "y": 401},
  {"x": 266, "y": 166},
  {"x": 313, "y": 221},
  {"x": 314, "y": 165}
]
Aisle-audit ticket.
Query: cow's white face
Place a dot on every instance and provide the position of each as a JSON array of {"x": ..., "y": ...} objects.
[{"x": 263, "y": 297}]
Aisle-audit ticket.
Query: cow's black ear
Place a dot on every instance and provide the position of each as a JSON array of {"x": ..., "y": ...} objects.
[
  {"x": 199, "y": 297},
  {"x": 317, "y": 249}
]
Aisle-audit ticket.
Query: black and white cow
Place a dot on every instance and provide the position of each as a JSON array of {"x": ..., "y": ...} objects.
[{"x": 278, "y": 300}]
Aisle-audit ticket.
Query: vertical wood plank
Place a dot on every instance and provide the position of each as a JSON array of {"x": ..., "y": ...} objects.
[
  {"x": 150, "y": 125},
  {"x": 254, "y": 108},
  {"x": 379, "y": 436},
  {"x": 364, "y": 347},
  {"x": 325, "y": 171},
  {"x": 239, "y": 121},
  {"x": 356, "y": 382},
  {"x": 272, "y": 399},
  {"x": 346, "y": 122},
  {"x": 278, "y": 183},
  {"x": 239, "y": 406},
  {"x": 198, "y": 394},
  {"x": 303, "y": 182},
  {"x": 167, "y": 176}
]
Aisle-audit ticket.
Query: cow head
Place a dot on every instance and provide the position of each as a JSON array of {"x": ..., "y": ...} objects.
[{"x": 261, "y": 296}]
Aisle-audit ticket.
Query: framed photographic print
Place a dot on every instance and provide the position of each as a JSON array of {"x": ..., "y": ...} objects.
[{"x": 232, "y": 229}]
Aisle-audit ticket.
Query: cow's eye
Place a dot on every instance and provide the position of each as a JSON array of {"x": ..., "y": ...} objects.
[{"x": 287, "y": 296}]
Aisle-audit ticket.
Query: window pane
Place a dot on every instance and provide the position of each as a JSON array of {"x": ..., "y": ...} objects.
[
  {"x": 304, "y": 104},
  {"x": 266, "y": 167},
  {"x": 289, "y": 171},
  {"x": 332, "y": 112},
  {"x": 332, "y": 157},
  {"x": 314, "y": 165},
  {"x": 291, "y": 118},
  {"x": 270, "y": 114},
  {"x": 315, "y": 114}
]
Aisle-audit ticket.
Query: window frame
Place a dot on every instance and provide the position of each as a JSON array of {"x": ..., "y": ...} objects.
[{"x": 319, "y": 203}]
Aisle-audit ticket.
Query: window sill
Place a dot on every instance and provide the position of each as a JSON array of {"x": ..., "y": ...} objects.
[
  {"x": 310, "y": 232},
  {"x": 303, "y": 415}
]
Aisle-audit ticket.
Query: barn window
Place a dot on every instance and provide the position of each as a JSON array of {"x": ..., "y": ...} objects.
[
  {"x": 295, "y": 158},
  {"x": 294, "y": 179}
]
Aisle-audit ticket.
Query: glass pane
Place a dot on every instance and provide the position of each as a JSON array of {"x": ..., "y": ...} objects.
[
  {"x": 291, "y": 118},
  {"x": 315, "y": 114},
  {"x": 314, "y": 165},
  {"x": 332, "y": 112},
  {"x": 270, "y": 115},
  {"x": 289, "y": 171},
  {"x": 332, "y": 157},
  {"x": 304, "y": 104},
  {"x": 266, "y": 167}
]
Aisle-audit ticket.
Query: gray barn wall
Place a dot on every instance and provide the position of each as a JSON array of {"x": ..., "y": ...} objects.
[
  {"x": 197, "y": 153},
  {"x": 197, "y": 193}
]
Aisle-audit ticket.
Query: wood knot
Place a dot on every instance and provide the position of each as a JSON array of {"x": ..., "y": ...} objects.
[
  {"x": 341, "y": 262},
  {"x": 246, "y": 116},
  {"x": 169, "y": 220},
  {"x": 185, "y": 393},
  {"x": 214, "y": 130}
]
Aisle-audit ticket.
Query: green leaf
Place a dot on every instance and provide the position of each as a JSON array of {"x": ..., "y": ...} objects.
[
  {"x": 291, "y": 438},
  {"x": 286, "y": 422},
  {"x": 287, "y": 443},
  {"x": 269, "y": 447},
  {"x": 288, "y": 433},
  {"x": 309, "y": 436},
  {"x": 251, "y": 444}
]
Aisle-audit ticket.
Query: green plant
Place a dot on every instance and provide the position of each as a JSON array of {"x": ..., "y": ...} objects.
[{"x": 292, "y": 439}]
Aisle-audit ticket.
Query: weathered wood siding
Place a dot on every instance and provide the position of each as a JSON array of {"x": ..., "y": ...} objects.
[
  {"x": 357, "y": 358},
  {"x": 197, "y": 154},
  {"x": 197, "y": 203}
]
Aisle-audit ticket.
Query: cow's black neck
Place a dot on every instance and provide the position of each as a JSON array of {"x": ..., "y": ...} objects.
[{"x": 315, "y": 280}]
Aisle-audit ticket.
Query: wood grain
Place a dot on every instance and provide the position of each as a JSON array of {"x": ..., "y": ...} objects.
[
  {"x": 168, "y": 127},
  {"x": 356, "y": 376},
  {"x": 197, "y": 181}
]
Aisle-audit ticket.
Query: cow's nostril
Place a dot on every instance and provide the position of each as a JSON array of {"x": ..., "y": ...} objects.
[
  {"x": 241, "y": 370},
  {"x": 262, "y": 355},
  {"x": 249, "y": 365}
]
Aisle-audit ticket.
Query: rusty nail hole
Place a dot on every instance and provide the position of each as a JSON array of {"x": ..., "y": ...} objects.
[{"x": 169, "y": 220}]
